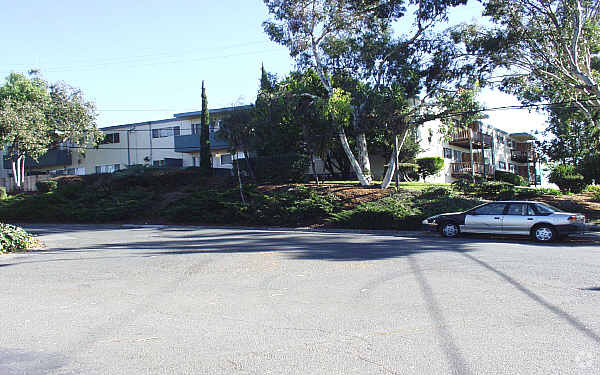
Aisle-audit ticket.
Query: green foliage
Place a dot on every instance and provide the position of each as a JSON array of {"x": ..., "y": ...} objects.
[
  {"x": 46, "y": 186},
  {"x": 567, "y": 178},
  {"x": 590, "y": 167},
  {"x": 511, "y": 178},
  {"x": 289, "y": 206},
  {"x": 290, "y": 167},
  {"x": 430, "y": 165},
  {"x": 404, "y": 210},
  {"x": 3, "y": 194},
  {"x": 592, "y": 189},
  {"x": 205, "y": 155},
  {"x": 13, "y": 238},
  {"x": 596, "y": 196},
  {"x": 530, "y": 193},
  {"x": 408, "y": 171}
]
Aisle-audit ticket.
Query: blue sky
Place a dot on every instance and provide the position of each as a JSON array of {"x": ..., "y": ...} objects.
[{"x": 146, "y": 60}]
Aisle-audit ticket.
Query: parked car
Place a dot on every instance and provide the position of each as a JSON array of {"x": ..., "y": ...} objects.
[{"x": 541, "y": 221}]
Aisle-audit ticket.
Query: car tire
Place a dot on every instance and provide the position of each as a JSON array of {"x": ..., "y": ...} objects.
[
  {"x": 544, "y": 233},
  {"x": 449, "y": 229}
]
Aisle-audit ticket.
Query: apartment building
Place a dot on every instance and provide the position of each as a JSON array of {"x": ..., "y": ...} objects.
[
  {"x": 171, "y": 142},
  {"x": 480, "y": 150}
]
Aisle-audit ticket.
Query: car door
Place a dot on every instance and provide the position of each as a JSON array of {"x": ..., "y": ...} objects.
[
  {"x": 485, "y": 219},
  {"x": 518, "y": 219}
]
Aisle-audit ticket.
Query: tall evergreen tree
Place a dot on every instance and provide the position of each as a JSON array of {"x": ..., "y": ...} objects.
[{"x": 205, "y": 157}]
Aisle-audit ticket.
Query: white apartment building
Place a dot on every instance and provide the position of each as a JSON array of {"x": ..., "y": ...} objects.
[
  {"x": 480, "y": 150},
  {"x": 171, "y": 142}
]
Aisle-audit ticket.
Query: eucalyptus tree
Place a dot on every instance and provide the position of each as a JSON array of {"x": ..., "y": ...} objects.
[
  {"x": 35, "y": 115},
  {"x": 305, "y": 27},
  {"x": 545, "y": 50}
]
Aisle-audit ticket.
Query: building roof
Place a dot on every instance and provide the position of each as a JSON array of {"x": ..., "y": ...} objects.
[
  {"x": 124, "y": 126},
  {"x": 216, "y": 110}
]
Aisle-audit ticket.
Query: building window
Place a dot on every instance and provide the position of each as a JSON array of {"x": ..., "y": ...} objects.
[
  {"x": 226, "y": 159},
  {"x": 502, "y": 165},
  {"x": 110, "y": 138},
  {"x": 215, "y": 126},
  {"x": 166, "y": 132},
  {"x": 107, "y": 168},
  {"x": 512, "y": 168},
  {"x": 500, "y": 139},
  {"x": 457, "y": 156},
  {"x": 447, "y": 153},
  {"x": 158, "y": 163}
]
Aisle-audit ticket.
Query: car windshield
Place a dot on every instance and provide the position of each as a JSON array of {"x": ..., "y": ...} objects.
[{"x": 546, "y": 208}]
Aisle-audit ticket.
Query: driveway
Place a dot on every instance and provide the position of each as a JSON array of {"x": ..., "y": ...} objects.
[{"x": 183, "y": 300}]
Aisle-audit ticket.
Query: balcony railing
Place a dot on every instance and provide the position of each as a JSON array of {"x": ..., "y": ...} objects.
[
  {"x": 466, "y": 168},
  {"x": 522, "y": 156},
  {"x": 49, "y": 159},
  {"x": 464, "y": 137},
  {"x": 191, "y": 143}
]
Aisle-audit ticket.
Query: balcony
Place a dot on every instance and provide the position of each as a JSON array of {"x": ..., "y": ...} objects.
[
  {"x": 464, "y": 137},
  {"x": 522, "y": 156},
  {"x": 191, "y": 143},
  {"x": 461, "y": 169},
  {"x": 49, "y": 159}
]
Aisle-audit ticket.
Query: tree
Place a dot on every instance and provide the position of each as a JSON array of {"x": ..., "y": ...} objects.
[
  {"x": 305, "y": 26},
  {"x": 429, "y": 166},
  {"x": 35, "y": 115},
  {"x": 205, "y": 155},
  {"x": 546, "y": 50}
]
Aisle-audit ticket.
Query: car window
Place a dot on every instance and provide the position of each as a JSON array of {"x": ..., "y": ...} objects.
[
  {"x": 517, "y": 209},
  {"x": 544, "y": 209},
  {"x": 490, "y": 209},
  {"x": 530, "y": 211}
]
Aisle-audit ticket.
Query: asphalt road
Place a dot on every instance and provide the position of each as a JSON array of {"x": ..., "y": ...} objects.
[{"x": 102, "y": 300}]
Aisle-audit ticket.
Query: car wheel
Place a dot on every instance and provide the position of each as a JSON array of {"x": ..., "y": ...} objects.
[
  {"x": 544, "y": 233},
  {"x": 449, "y": 230}
]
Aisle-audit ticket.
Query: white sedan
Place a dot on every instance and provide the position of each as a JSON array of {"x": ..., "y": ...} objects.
[{"x": 541, "y": 221}]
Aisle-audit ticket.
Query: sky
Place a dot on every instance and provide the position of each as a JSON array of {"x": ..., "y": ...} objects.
[{"x": 141, "y": 61}]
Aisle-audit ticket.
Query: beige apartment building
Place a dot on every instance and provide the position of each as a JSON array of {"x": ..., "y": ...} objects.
[
  {"x": 480, "y": 150},
  {"x": 171, "y": 142}
]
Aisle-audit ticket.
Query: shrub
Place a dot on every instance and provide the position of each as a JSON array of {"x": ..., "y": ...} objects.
[
  {"x": 408, "y": 171},
  {"x": 596, "y": 196},
  {"x": 592, "y": 189},
  {"x": 46, "y": 186},
  {"x": 13, "y": 238},
  {"x": 436, "y": 192},
  {"x": 3, "y": 194},
  {"x": 511, "y": 178},
  {"x": 528, "y": 193},
  {"x": 495, "y": 190},
  {"x": 567, "y": 179},
  {"x": 590, "y": 168},
  {"x": 285, "y": 168},
  {"x": 430, "y": 165}
]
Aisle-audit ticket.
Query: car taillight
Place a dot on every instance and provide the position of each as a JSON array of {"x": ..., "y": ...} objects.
[{"x": 572, "y": 218}]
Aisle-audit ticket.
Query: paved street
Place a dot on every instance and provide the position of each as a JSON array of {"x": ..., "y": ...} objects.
[{"x": 175, "y": 300}]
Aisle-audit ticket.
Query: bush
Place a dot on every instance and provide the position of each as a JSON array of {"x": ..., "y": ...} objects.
[
  {"x": 436, "y": 192},
  {"x": 408, "y": 171},
  {"x": 567, "y": 179},
  {"x": 590, "y": 168},
  {"x": 495, "y": 190},
  {"x": 430, "y": 166},
  {"x": 279, "y": 169},
  {"x": 596, "y": 196},
  {"x": 592, "y": 189},
  {"x": 3, "y": 194},
  {"x": 13, "y": 238},
  {"x": 511, "y": 178},
  {"x": 46, "y": 186},
  {"x": 528, "y": 193}
]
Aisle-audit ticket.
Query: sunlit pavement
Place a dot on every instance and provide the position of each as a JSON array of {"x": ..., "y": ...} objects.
[{"x": 182, "y": 300}]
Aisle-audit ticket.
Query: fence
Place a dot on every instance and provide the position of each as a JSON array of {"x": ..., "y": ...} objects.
[{"x": 28, "y": 183}]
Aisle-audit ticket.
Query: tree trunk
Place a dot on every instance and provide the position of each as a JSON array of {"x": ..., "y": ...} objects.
[
  {"x": 361, "y": 145},
  {"x": 237, "y": 164},
  {"x": 389, "y": 174},
  {"x": 314, "y": 169},
  {"x": 355, "y": 166},
  {"x": 249, "y": 165}
]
